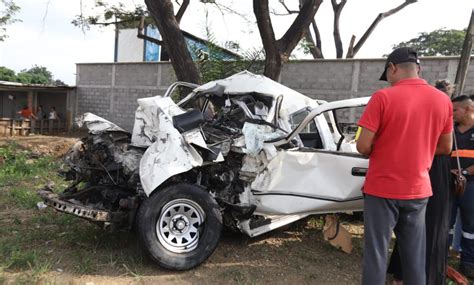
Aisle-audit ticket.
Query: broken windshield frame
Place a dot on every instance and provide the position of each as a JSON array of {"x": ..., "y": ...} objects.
[{"x": 348, "y": 103}]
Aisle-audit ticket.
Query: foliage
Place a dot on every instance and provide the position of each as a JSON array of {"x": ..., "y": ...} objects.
[
  {"x": 7, "y": 74},
  {"x": 213, "y": 66},
  {"x": 8, "y": 9},
  {"x": 304, "y": 46},
  {"x": 436, "y": 43},
  {"x": 112, "y": 14},
  {"x": 34, "y": 75}
]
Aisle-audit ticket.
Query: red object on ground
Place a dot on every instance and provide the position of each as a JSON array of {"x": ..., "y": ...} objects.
[{"x": 457, "y": 277}]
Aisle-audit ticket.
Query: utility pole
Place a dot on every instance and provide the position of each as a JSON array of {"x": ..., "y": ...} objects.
[
  {"x": 116, "y": 40},
  {"x": 463, "y": 65}
]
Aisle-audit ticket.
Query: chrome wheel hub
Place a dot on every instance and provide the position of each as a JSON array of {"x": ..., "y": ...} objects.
[{"x": 179, "y": 224}]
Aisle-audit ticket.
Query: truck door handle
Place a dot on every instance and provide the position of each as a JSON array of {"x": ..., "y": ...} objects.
[{"x": 359, "y": 171}]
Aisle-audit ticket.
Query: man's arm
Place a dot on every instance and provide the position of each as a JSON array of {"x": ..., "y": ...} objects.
[
  {"x": 365, "y": 141},
  {"x": 445, "y": 144}
]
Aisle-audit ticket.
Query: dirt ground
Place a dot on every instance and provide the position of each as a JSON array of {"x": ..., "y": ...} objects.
[
  {"x": 45, "y": 145},
  {"x": 85, "y": 254}
]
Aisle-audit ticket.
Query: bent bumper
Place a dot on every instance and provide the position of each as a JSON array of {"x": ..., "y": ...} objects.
[{"x": 51, "y": 199}]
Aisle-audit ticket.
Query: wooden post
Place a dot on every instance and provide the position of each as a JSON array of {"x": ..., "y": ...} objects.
[
  {"x": 50, "y": 125},
  {"x": 11, "y": 127},
  {"x": 465, "y": 58}
]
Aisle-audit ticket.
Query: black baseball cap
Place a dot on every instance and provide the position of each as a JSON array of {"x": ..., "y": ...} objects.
[{"x": 400, "y": 55}]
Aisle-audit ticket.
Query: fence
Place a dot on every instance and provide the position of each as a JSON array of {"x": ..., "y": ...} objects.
[{"x": 15, "y": 127}]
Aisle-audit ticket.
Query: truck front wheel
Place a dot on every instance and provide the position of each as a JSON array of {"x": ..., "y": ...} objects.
[{"x": 180, "y": 226}]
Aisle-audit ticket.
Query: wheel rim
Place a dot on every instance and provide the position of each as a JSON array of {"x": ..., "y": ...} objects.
[{"x": 179, "y": 225}]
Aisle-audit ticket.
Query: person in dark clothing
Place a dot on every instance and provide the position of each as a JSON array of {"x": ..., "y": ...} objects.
[
  {"x": 437, "y": 220},
  {"x": 464, "y": 132},
  {"x": 437, "y": 225}
]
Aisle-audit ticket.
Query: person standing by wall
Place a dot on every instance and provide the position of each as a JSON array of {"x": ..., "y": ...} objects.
[
  {"x": 53, "y": 115},
  {"x": 40, "y": 112},
  {"x": 403, "y": 127},
  {"x": 464, "y": 132}
]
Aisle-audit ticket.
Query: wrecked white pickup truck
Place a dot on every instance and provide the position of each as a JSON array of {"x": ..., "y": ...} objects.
[{"x": 243, "y": 152}]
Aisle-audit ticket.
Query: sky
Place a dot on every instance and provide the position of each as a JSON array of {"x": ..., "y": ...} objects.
[{"x": 46, "y": 37}]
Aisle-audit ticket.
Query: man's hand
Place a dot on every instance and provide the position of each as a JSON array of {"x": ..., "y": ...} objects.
[
  {"x": 470, "y": 170},
  {"x": 365, "y": 141}
]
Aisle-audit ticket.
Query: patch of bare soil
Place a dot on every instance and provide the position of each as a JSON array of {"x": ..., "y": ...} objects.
[{"x": 44, "y": 145}]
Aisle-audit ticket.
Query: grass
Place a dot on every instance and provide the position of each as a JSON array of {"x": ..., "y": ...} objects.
[
  {"x": 34, "y": 243},
  {"x": 23, "y": 197}
]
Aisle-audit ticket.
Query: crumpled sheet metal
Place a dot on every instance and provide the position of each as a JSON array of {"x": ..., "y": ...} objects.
[
  {"x": 246, "y": 82},
  {"x": 147, "y": 119},
  {"x": 255, "y": 136},
  {"x": 169, "y": 153},
  {"x": 96, "y": 124}
]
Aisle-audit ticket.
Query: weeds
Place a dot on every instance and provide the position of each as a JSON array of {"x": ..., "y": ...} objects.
[
  {"x": 23, "y": 197},
  {"x": 18, "y": 164},
  {"x": 85, "y": 265}
]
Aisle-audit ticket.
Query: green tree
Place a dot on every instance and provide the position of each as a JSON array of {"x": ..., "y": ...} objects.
[
  {"x": 34, "y": 75},
  {"x": 7, "y": 74},
  {"x": 39, "y": 75},
  {"x": 23, "y": 77},
  {"x": 8, "y": 9},
  {"x": 436, "y": 43}
]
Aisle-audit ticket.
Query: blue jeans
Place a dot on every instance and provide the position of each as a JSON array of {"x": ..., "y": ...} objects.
[
  {"x": 455, "y": 230},
  {"x": 466, "y": 206}
]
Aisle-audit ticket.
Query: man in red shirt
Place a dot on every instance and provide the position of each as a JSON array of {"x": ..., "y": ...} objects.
[
  {"x": 26, "y": 113},
  {"x": 403, "y": 127}
]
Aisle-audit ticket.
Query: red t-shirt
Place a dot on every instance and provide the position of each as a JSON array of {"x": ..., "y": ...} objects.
[
  {"x": 407, "y": 119},
  {"x": 26, "y": 113}
]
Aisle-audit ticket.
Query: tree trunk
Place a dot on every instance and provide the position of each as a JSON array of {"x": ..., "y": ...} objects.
[
  {"x": 173, "y": 39},
  {"x": 279, "y": 51},
  {"x": 319, "y": 44},
  {"x": 337, "y": 8},
  {"x": 272, "y": 55}
]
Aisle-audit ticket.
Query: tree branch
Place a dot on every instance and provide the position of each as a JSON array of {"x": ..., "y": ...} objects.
[
  {"x": 350, "y": 50},
  {"x": 282, "y": 2},
  {"x": 374, "y": 24},
  {"x": 223, "y": 8},
  {"x": 141, "y": 35},
  {"x": 181, "y": 10},
  {"x": 315, "y": 51}
]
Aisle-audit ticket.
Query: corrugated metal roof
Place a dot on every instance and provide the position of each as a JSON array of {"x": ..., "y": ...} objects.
[{"x": 17, "y": 85}]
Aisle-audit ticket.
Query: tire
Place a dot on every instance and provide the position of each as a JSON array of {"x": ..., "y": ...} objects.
[{"x": 180, "y": 226}]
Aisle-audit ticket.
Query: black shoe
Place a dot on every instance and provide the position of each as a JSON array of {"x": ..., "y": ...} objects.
[{"x": 467, "y": 269}]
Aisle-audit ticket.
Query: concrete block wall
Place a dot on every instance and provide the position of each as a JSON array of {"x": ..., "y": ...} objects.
[{"x": 111, "y": 90}]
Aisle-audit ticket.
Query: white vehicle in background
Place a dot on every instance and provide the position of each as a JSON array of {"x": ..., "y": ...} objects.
[{"x": 243, "y": 152}]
